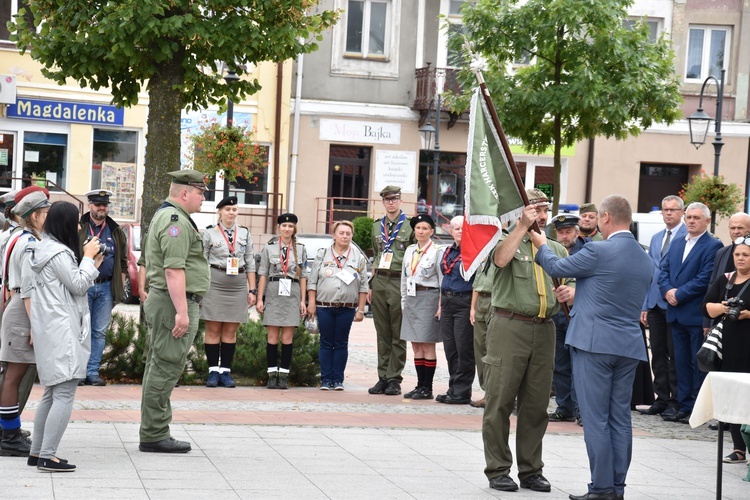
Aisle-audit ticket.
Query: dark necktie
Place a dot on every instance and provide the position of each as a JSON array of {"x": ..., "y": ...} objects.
[
  {"x": 230, "y": 235},
  {"x": 666, "y": 242},
  {"x": 283, "y": 252}
]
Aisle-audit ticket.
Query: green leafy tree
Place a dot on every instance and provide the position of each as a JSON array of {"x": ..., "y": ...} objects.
[
  {"x": 587, "y": 74},
  {"x": 173, "y": 49}
]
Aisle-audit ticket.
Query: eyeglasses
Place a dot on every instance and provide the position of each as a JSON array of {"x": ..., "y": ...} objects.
[
  {"x": 743, "y": 240},
  {"x": 391, "y": 200}
]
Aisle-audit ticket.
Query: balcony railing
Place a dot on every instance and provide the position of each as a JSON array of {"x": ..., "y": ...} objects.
[{"x": 429, "y": 81}]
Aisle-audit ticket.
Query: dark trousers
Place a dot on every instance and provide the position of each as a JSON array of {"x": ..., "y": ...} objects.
[
  {"x": 662, "y": 358},
  {"x": 458, "y": 343},
  {"x": 687, "y": 341},
  {"x": 562, "y": 379},
  {"x": 334, "y": 323}
]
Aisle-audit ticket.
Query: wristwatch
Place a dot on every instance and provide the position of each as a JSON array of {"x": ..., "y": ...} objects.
[
  {"x": 361, "y": 312},
  {"x": 254, "y": 291}
]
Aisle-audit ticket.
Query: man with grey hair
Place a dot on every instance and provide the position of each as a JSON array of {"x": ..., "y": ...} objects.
[
  {"x": 456, "y": 330},
  {"x": 654, "y": 313},
  {"x": 684, "y": 276}
]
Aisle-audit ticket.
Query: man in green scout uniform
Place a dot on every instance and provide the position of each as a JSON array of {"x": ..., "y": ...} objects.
[
  {"x": 520, "y": 353},
  {"x": 479, "y": 315},
  {"x": 178, "y": 277},
  {"x": 587, "y": 224},
  {"x": 391, "y": 235}
]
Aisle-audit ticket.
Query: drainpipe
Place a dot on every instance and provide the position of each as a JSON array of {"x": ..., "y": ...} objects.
[
  {"x": 747, "y": 180},
  {"x": 295, "y": 134},
  {"x": 277, "y": 136},
  {"x": 589, "y": 170}
]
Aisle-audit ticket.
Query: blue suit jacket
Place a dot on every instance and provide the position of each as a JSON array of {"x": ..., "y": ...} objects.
[
  {"x": 612, "y": 278},
  {"x": 655, "y": 297},
  {"x": 690, "y": 278}
]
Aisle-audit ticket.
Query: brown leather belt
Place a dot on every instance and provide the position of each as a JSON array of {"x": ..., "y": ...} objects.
[
  {"x": 485, "y": 294},
  {"x": 421, "y": 288},
  {"x": 387, "y": 274},
  {"x": 520, "y": 317},
  {"x": 351, "y": 305},
  {"x": 221, "y": 268}
]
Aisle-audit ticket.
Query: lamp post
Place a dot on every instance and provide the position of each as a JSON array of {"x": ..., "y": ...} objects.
[
  {"x": 699, "y": 122},
  {"x": 428, "y": 132},
  {"x": 230, "y": 78}
]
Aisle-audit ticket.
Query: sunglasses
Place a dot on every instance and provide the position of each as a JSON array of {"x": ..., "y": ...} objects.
[{"x": 743, "y": 240}]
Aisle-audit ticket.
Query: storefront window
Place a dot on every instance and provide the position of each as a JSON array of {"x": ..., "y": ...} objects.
[
  {"x": 44, "y": 158},
  {"x": 112, "y": 146},
  {"x": 451, "y": 177}
]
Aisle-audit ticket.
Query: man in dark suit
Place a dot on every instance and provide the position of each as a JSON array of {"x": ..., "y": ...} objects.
[
  {"x": 739, "y": 225},
  {"x": 683, "y": 280},
  {"x": 605, "y": 339},
  {"x": 654, "y": 312}
]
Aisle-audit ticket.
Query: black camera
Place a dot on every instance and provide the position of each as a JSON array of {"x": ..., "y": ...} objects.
[
  {"x": 103, "y": 249},
  {"x": 736, "y": 306}
]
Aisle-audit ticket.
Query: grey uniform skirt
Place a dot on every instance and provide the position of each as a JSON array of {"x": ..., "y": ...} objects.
[
  {"x": 15, "y": 333},
  {"x": 418, "y": 323},
  {"x": 281, "y": 311},
  {"x": 226, "y": 300}
]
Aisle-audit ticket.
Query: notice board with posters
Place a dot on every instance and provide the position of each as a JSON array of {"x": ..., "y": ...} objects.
[{"x": 120, "y": 179}]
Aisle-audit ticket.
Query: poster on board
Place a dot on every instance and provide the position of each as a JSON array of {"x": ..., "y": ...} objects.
[
  {"x": 120, "y": 178},
  {"x": 398, "y": 168}
]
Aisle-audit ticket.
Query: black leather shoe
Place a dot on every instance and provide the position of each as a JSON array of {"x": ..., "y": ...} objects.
[
  {"x": 441, "y": 398},
  {"x": 609, "y": 495},
  {"x": 96, "y": 380},
  {"x": 503, "y": 483},
  {"x": 169, "y": 445},
  {"x": 669, "y": 413},
  {"x": 378, "y": 388},
  {"x": 536, "y": 482},
  {"x": 450, "y": 399},
  {"x": 653, "y": 410},
  {"x": 393, "y": 389},
  {"x": 715, "y": 427},
  {"x": 683, "y": 418},
  {"x": 680, "y": 415},
  {"x": 560, "y": 417}
]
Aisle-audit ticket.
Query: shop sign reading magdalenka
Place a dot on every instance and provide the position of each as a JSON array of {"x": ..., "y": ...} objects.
[
  {"x": 60, "y": 111},
  {"x": 360, "y": 132}
]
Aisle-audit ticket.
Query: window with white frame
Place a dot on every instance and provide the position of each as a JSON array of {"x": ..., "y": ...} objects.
[
  {"x": 707, "y": 52},
  {"x": 654, "y": 26},
  {"x": 367, "y": 25},
  {"x": 8, "y": 9}
]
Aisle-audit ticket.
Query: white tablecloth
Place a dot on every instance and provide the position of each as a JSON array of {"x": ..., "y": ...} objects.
[{"x": 724, "y": 396}]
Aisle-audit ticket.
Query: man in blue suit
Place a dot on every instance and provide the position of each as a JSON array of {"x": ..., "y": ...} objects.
[
  {"x": 654, "y": 312},
  {"x": 605, "y": 339},
  {"x": 683, "y": 280}
]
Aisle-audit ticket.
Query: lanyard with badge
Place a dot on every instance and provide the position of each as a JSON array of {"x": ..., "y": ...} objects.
[
  {"x": 387, "y": 256},
  {"x": 344, "y": 274},
  {"x": 233, "y": 263},
  {"x": 285, "y": 283},
  {"x": 98, "y": 235},
  {"x": 411, "y": 284}
]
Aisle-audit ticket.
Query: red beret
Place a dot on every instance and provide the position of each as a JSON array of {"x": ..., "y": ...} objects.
[{"x": 20, "y": 195}]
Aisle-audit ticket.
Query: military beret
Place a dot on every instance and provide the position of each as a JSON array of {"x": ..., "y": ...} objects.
[
  {"x": 390, "y": 191},
  {"x": 565, "y": 220},
  {"x": 537, "y": 196},
  {"x": 286, "y": 218},
  {"x": 27, "y": 190},
  {"x": 422, "y": 218},
  {"x": 99, "y": 195},
  {"x": 229, "y": 201},
  {"x": 587, "y": 207},
  {"x": 9, "y": 198},
  {"x": 30, "y": 201},
  {"x": 188, "y": 177}
]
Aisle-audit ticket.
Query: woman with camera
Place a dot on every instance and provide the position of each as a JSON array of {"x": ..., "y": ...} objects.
[
  {"x": 17, "y": 349},
  {"x": 229, "y": 251},
  {"x": 728, "y": 298},
  {"x": 61, "y": 325}
]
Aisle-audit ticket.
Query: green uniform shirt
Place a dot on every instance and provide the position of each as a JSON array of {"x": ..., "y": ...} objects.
[
  {"x": 484, "y": 277},
  {"x": 173, "y": 242},
  {"x": 404, "y": 238},
  {"x": 514, "y": 287}
]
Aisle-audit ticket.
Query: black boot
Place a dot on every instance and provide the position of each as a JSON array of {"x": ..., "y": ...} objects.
[{"x": 14, "y": 444}]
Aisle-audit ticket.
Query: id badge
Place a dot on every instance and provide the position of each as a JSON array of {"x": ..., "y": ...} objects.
[
  {"x": 411, "y": 287},
  {"x": 285, "y": 287},
  {"x": 233, "y": 266},
  {"x": 345, "y": 276},
  {"x": 385, "y": 260}
]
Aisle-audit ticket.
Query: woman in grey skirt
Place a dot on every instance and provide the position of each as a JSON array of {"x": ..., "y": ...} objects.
[
  {"x": 17, "y": 350},
  {"x": 420, "y": 301},
  {"x": 281, "y": 291},
  {"x": 229, "y": 251}
]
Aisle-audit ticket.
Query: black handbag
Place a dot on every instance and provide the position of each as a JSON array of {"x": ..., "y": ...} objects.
[{"x": 710, "y": 355}]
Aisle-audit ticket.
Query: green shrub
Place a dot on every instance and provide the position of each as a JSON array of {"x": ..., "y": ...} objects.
[
  {"x": 363, "y": 234},
  {"x": 123, "y": 359}
]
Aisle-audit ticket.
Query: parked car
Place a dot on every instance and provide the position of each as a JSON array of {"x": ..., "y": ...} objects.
[{"x": 133, "y": 232}]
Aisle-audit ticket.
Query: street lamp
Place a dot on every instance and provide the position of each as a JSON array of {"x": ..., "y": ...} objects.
[
  {"x": 230, "y": 78},
  {"x": 699, "y": 122},
  {"x": 428, "y": 132}
]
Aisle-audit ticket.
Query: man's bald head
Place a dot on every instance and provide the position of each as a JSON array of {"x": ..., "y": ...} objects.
[{"x": 739, "y": 225}]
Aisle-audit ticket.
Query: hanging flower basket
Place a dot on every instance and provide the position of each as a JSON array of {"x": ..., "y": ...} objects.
[
  {"x": 714, "y": 192},
  {"x": 230, "y": 152}
]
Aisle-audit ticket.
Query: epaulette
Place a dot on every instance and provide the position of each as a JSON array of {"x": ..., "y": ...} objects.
[
  {"x": 175, "y": 217},
  {"x": 210, "y": 227}
]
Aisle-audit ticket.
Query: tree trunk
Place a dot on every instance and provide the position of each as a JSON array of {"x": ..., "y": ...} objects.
[{"x": 163, "y": 137}]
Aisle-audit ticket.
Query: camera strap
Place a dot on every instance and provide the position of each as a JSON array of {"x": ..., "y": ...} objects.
[{"x": 730, "y": 285}]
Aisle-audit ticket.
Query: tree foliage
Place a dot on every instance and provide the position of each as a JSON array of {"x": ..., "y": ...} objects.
[
  {"x": 173, "y": 49},
  {"x": 587, "y": 74}
]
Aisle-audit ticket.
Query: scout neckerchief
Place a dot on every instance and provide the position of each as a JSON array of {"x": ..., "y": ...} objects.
[
  {"x": 448, "y": 266},
  {"x": 231, "y": 242},
  {"x": 336, "y": 258},
  {"x": 284, "y": 257},
  {"x": 417, "y": 257},
  {"x": 91, "y": 229},
  {"x": 389, "y": 239}
]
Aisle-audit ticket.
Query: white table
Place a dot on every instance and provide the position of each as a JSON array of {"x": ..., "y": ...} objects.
[{"x": 724, "y": 396}]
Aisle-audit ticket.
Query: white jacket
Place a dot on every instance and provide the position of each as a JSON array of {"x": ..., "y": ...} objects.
[{"x": 60, "y": 319}]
